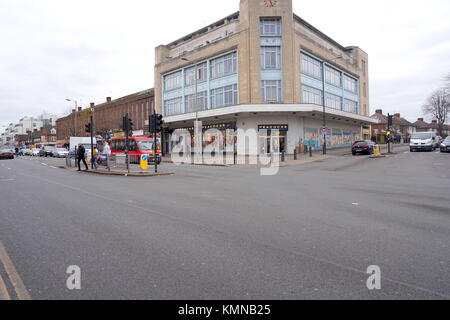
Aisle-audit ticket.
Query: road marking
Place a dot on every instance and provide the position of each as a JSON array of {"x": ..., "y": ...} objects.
[
  {"x": 16, "y": 281},
  {"x": 4, "y": 295}
]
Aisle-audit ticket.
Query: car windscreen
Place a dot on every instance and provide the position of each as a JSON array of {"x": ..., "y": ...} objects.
[
  {"x": 145, "y": 145},
  {"x": 421, "y": 136}
]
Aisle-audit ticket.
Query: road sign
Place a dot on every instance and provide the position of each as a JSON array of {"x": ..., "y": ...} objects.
[{"x": 144, "y": 162}]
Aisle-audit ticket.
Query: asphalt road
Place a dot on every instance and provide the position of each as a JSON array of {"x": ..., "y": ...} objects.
[{"x": 309, "y": 232}]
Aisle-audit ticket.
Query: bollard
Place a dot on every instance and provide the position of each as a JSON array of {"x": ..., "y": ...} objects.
[
  {"x": 283, "y": 158},
  {"x": 310, "y": 152},
  {"x": 295, "y": 155}
]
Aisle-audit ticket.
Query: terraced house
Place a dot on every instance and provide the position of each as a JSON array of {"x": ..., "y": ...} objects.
[{"x": 265, "y": 68}]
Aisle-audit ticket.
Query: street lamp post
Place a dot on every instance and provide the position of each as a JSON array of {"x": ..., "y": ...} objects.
[{"x": 198, "y": 130}]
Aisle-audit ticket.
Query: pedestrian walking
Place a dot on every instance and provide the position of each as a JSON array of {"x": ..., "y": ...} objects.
[
  {"x": 107, "y": 153},
  {"x": 82, "y": 157},
  {"x": 94, "y": 158}
]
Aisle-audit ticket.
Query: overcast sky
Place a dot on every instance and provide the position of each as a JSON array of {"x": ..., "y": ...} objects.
[{"x": 90, "y": 49}]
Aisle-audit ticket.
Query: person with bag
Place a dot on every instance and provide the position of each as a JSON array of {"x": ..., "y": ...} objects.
[{"x": 82, "y": 157}]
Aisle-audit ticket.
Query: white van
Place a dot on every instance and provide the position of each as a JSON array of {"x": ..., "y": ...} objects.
[{"x": 424, "y": 141}]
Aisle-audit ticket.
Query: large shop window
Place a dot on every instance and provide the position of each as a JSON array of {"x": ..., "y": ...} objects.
[
  {"x": 173, "y": 107},
  {"x": 189, "y": 74},
  {"x": 333, "y": 77},
  {"x": 311, "y": 95},
  {"x": 270, "y": 27},
  {"x": 271, "y": 91},
  {"x": 333, "y": 101},
  {"x": 223, "y": 66},
  {"x": 270, "y": 58},
  {"x": 311, "y": 67},
  {"x": 192, "y": 106},
  {"x": 173, "y": 81},
  {"x": 225, "y": 96}
]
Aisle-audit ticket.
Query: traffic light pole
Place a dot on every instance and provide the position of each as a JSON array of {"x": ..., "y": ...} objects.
[
  {"x": 127, "y": 133},
  {"x": 92, "y": 142}
]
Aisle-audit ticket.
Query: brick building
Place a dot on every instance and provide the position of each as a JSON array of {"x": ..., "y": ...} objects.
[
  {"x": 108, "y": 116},
  {"x": 379, "y": 130}
]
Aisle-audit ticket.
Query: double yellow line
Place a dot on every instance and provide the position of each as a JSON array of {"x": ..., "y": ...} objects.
[{"x": 14, "y": 278}]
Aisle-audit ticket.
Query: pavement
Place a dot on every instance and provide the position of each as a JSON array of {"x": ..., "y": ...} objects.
[{"x": 309, "y": 232}]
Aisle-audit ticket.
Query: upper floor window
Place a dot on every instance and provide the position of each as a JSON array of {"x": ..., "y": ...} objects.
[
  {"x": 334, "y": 77},
  {"x": 173, "y": 107},
  {"x": 271, "y": 91},
  {"x": 270, "y": 58},
  {"x": 312, "y": 95},
  {"x": 270, "y": 27},
  {"x": 333, "y": 101},
  {"x": 225, "y": 96},
  {"x": 190, "y": 76},
  {"x": 350, "y": 84},
  {"x": 173, "y": 81},
  {"x": 196, "y": 102},
  {"x": 224, "y": 65},
  {"x": 350, "y": 106},
  {"x": 311, "y": 66}
]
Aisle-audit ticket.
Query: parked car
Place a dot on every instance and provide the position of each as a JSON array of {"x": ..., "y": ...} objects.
[
  {"x": 7, "y": 154},
  {"x": 60, "y": 153},
  {"x": 35, "y": 152},
  {"x": 426, "y": 141},
  {"x": 24, "y": 152},
  {"x": 363, "y": 147},
  {"x": 445, "y": 145},
  {"x": 46, "y": 152}
]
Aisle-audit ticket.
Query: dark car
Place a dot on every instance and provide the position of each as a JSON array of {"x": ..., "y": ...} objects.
[
  {"x": 445, "y": 145},
  {"x": 363, "y": 147},
  {"x": 7, "y": 154},
  {"x": 46, "y": 152}
]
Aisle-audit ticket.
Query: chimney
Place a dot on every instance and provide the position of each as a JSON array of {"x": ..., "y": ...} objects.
[
  {"x": 434, "y": 121},
  {"x": 108, "y": 99},
  {"x": 379, "y": 111},
  {"x": 420, "y": 119},
  {"x": 397, "y": 115},
  {"x": 73, "y": 110},
  {"x": 80, "y": 109}
]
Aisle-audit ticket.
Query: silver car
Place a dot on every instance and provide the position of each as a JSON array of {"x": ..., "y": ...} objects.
[{"x": 60, "y": 153}]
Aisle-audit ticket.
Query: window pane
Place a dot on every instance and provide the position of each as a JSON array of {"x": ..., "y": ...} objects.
[
  {"x": 311, "y": 95},
  {"x": 224, "y": 65},
  {"x": 224, "y": 96},
  {"x": 271, "y": 91},
  {"x": 311, "y": 66}
]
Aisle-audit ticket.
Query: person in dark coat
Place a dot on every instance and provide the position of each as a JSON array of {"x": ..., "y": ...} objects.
[{"x": 81, "y": 157}]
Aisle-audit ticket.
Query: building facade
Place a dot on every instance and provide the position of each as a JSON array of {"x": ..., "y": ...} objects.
[
  {"x": 108, "y": 116},
  {"x": 266, "y": 69}
]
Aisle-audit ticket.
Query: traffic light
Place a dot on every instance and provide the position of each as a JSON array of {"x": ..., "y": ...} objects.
[
  {"x": 159, "y": 122},
  {"x": 390, "y": 121},
  {"x": 130, "y": 124},
  {"x": 156, "y": 123},
  {"x": 125, "y": 123},
  {"x": 88, "y": 128}
]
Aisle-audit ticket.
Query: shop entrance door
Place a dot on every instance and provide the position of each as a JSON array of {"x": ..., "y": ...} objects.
[{"x": 275, "y": 142}]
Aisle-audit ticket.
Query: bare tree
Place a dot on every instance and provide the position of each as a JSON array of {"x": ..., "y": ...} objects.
[{"x": 438, "y": 106}]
